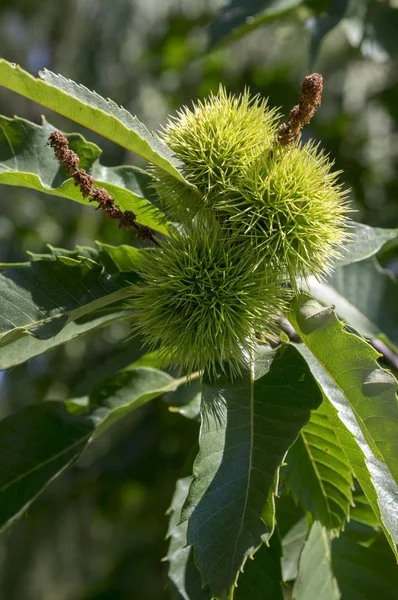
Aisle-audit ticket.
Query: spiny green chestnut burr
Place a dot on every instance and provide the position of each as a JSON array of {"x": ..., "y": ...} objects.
[
  {"x": 283, "y": 199},
  {"x": 201, "y": 299},
  {"x": 291, "y": 205},
  {"x": 216, "y": 140}
]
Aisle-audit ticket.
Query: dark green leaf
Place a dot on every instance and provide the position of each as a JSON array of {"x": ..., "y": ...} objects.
[
  {"x": 247, "y": 427},
  {"x": 40, "y": 298},
  {"x": 318, "y": 473},
  {"x": 91, "y": 110},
  {"x": 238, "y": 17},
  {"x": 315, "y": 578},
  {"x": 36, "y": 444},
  {"x": 27, "y": 160},
  {"x": 262, "y": 577},
  {"x": 40, "y": 441},
  {"x": 364, "y": 572}
]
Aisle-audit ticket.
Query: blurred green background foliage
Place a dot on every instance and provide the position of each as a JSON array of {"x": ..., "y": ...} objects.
[{"x": 98, "y": 533}]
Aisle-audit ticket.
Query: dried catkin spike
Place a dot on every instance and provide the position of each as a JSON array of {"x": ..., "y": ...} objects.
[
  {"x": 70, "y": 161},
  {"x": 303, "y": 112}
]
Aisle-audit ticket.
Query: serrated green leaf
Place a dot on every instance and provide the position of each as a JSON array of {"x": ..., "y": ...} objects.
[
  {"x": 373, "y": 475},
  {"x": 36, "y": 444},
  {"x": 365, "y": 296},
  {"x": 52, "y": 292},
  {"x": 262, "y": 576},
  {"x": 247, "y": 427},
  {"x": 362, "y": 511},
  {"x": 25, "y": 346},
  {"x": 364, "y": 572},
  {"x": 318, "y": 473},
  {"x": 292, "y": 545},
  {"x": 40, "y": 441},
  {"x": 185, "y": 578},
  {"x": 91, "y": 110},
  {"x": 116, "y": 396},
  {"x": 315, "y": 577},
  {"x": 352, "y": 364},
  {"x": 238, "y": 17},
  {"x": 28, "y": 161},
  {"x": 365, "y": 242},
  {"x": 261, "y": 579},
  {"x": 124, "y": 258}
]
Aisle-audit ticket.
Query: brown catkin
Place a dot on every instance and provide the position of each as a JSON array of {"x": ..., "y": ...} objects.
[
  {"x": 70, "y": 161},
  {"x": 303, "y": 112}
]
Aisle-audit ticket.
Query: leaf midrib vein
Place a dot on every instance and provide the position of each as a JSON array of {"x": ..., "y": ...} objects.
[
  {"x": 46, "y": 462},
  {"x": 250, "y": 465}
]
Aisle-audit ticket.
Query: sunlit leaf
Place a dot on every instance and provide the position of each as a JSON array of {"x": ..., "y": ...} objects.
[
  {"x": 352, "y": 364},
  {"x": 318, "y": 473},
  {"x": 315, "y": 577},
  {"x": 91, "y": 110},
  {"x": 373, "y": 475},
  {"x": 365, "y": 242}
]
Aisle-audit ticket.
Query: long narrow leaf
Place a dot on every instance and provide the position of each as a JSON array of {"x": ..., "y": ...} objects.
[
  {"x": 247, "y": 427},
  {"x": 373, "y": 475},
  {"x": 39, "y": 442},
  {"x": 352, "y": 364},
  {"x": 91, "y": 110}
]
